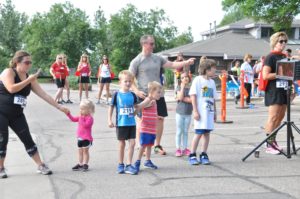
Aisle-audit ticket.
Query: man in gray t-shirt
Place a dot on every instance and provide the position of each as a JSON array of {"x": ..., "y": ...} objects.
[{"x": 147, "y": 67}]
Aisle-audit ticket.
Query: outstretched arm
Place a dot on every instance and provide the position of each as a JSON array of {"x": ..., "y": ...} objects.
[{"x": 36, "y": 88}]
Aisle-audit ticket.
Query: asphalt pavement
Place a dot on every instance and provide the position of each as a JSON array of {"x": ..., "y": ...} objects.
[{"x": 228, "y": 177}]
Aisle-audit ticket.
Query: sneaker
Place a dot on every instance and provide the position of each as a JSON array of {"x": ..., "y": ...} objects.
[
  {"x": 130, "y": 169},
  {"x": 44, "y": 169},
  {"x": 178, "y": 153},
  {"x": 120, "y": 168},
  {"x": 204, "y": 159},
  {"x": 186, "y": 152},
  {"x": 69, "y": 102},
  {"x": 59, "y": 102},
  {"x": 107, "y": 103},
  {"x": 63, "y": 101},
  {"x": 150, "y": 165},
  {"x": 98, "y": 102},
  {"x": 271, "y": 150},
  {"x": 137, "y": 165},
  {"x": 193, "y": 160},
  {"x": 275, "y": 144},
  {"x": 3, "y": 173},
  {"x": 159, "y": 149},
  {"x": 85, "y": 167},
  {"x": 77, "y": 167}
]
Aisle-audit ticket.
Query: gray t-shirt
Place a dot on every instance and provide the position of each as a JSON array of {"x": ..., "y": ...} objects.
[
  {"x": 146, "y": 69},
  {"x": 184, "y": 108}
]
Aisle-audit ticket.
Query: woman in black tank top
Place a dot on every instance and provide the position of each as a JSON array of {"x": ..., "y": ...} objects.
[{"x": 15, "y": 86}]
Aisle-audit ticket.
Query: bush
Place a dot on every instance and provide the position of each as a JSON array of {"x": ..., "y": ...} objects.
[{"x": 169, "y": 78}]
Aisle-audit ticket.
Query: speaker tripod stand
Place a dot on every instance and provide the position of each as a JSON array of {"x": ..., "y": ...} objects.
[{"x": 289, "y": 125}]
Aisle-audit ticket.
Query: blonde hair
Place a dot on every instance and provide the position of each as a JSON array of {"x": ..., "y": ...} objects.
[
  {"x": 126, "y": 73},
  {"x": 206, "y": 65},
  {"x": 153, "y": 86},
  {"x": 275, "y": 38},
  {"x": 247, "y": 56},
  {"x": 18, "y": 58},
  {"x": 87, "y": 58},
  {"x": 87, "y": 104}
]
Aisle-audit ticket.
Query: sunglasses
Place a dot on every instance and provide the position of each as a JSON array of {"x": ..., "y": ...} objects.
[
  {"x": 27, "y": 62},
  {"x": 281, "y": 41},
  {"x": 60, "y": 58}
]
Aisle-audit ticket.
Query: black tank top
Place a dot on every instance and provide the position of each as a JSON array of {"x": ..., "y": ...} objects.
[{"x": 7, "y": 99}]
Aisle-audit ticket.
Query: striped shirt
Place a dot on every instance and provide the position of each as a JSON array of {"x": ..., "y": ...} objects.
[{"x": 149, "y": 119}]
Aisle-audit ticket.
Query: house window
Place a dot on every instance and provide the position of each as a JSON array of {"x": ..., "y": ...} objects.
[
  {"x": 291, "y": 33},
  {"x": 266, "y": 32}
]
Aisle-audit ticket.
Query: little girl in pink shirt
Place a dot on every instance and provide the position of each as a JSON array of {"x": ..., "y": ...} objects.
[{"x": 84, "y": 133}]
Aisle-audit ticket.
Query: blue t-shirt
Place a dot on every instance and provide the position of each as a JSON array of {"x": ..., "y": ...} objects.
[{"x": 124, "y": 103}]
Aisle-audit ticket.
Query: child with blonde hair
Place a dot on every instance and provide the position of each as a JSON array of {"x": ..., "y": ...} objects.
[
  {"x": 125, "y": 102},
  {"x": 148, "y": 124},
  {"x": 84, "y": 133}
]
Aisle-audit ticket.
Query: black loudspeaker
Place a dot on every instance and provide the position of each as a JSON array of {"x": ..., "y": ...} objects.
[{"x": 288, "y": 69}]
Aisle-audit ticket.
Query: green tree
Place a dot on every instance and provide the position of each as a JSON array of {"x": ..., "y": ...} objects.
[
  {"x": 279, "y": 12},
  {"x": 233, "y": 14},
  {"x": 11, "y": 25},
  {"x": 64, "y": 29},
  {"x": 128, "y": 25}
]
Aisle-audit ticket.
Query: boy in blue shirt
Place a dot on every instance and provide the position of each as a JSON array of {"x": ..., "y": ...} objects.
[{"x": 125, "y": 102}]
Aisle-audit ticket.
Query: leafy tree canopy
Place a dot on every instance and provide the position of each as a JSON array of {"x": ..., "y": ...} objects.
[{"x": 278, "y": 12}]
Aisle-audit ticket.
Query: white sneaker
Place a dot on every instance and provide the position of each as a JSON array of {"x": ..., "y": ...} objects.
[
  {"x": 3, "y": 173},
  {"x": 44, "y": 169},
  {"x": 272, "y": 151}
]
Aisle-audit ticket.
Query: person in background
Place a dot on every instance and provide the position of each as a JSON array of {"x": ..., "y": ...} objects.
[
  {"x": 85, "y": 71},
  {"x": 249, "y": 76},
  {"x": 104, "y": 78},
  {"x": 67, "y": 85},
  {"x": 59, "y": 73}
]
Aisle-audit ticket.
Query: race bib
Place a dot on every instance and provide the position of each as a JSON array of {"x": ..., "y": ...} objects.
[
  {"x": 127, "y": 111},
  {"x": 84, "y": 74},
  {"x": 281, "y": 84},
  {"x": 20, "y": 100}
]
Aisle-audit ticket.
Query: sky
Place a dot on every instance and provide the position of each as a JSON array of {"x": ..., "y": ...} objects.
[{"x": 194, "y": 13}]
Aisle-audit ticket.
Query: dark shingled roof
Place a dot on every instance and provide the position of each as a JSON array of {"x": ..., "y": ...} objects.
[{"x": 231, "y": 44}]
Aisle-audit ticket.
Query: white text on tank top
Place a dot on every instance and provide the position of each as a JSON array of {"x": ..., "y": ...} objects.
[{"x": 105, "y": 71}]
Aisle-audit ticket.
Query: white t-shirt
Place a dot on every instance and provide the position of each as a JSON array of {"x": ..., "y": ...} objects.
[
  {"x": 105, "y": 72},
  {"x": 206, "y": 93},
  {"x": 248, "y": 72}
]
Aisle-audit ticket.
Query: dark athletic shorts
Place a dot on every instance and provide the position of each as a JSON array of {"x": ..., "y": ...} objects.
[
  {"x": 126, "y": 132},
  {"x": 60, "y": 83},
  {"x": 84, "y": 143},
  {"x": 161, "y": 107},
  {"x": 83, "y": 80},
  {"x": 104, "y": 80}
]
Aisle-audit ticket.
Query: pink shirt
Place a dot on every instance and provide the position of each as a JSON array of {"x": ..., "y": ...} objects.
[
  {"x": 84, "y": 129},
  {"x": 149, "y": 119}
]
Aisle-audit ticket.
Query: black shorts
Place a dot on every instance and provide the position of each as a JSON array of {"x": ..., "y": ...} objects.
[
  {"x": 60, "y": 83},
  {"x": 161, "y": 107},
  {"x": 126, "y": 132},
  {"x": 104, "y": 80},
  {"x": 84, "y": 79},
  {"x": 84, "y": 143}
]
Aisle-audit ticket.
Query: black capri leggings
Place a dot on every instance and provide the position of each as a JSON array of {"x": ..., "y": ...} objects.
[{"x": 20, "y": 127}]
